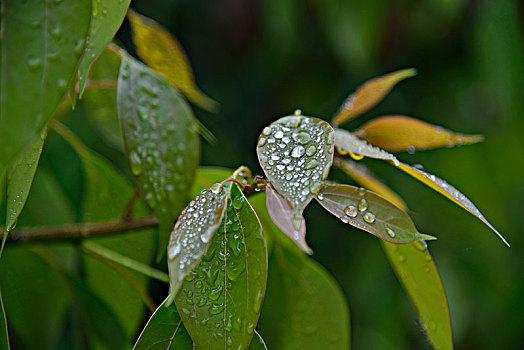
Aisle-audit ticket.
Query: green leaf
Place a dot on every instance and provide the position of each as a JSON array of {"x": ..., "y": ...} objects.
[
  {"x": 106, "y": 194},
  {"x": 296, "y": 153},
  {"x": 304, "y": 308},
  {"x": 107, "y": 16},
  {"x": 368, "y": 211},
  {"x": 400, "y": 133},
  {"x": 163, "y": 53},
  {"x": 4, "y": 332},
  {"x": 41, "y": 47},
  {"x": 220, "y": 300},
  {"x": 282, "y": 215},
  {"x": 449, "y": 192},
  {"x": 420, "y": 278},
  {"x": 161, "y": 141},
  {"x": 207, "y": 176},
  {"x": 257, "y": 343},
  {"x": 20, "y": 176},
  {"x": 193, "y": 232},
  {"x": 347, "y": 143},
  {"x": 370, "y": 94},
  {"x": 164, "y": 330}
]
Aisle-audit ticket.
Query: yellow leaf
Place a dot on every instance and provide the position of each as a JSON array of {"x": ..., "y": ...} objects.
[
  {"x": 370, "y": 94},
  {"x": 400, "y": 133},
  {"x": 163, "y": 53}
]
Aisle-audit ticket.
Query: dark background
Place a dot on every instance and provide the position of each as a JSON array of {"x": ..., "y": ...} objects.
[{"x": 263, "y": 59}]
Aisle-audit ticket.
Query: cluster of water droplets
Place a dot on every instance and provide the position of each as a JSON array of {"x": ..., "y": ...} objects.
[{"x": 296, "y": 154}]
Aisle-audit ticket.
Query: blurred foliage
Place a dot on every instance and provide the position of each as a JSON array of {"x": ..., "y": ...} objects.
[{"x": 263, "y": 59}]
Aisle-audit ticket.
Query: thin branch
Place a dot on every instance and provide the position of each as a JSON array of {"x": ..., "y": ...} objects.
[{"x": 81, "y": 230}]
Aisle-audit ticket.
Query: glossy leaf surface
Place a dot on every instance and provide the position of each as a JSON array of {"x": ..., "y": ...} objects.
[
  {"x": 193, "y": 232},
  {"x": 161, "y": 141},
  {"x": 347, "y": 143},
  {"x": 413, "y": 266},
  {"x": 163, "y": 53},
  {"x": 106, "y": 18},
  {"x": 296, "y": 153},
  {"x": 220, "y": 300},
  {"x": 400, "y": 133},
  {"x": 106, "y": 193},
  {"x": 368, "y": 211},
  {"x": 37, "y": 65},
  {"x": 449, "y": 192},
  {"x": 304, "y": 307},
  {"x": 370, "y": 94},
  {"x": 282, "y": 215}
]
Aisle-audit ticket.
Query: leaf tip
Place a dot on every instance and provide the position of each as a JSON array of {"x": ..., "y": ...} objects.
[{"x": 426, "y": 237}]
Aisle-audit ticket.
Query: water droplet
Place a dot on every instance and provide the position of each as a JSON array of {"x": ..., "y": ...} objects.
[
  {"x": 214, "y": 294},
  {"x": 411, "y": 149},
  {"x": 56, "y": 32},
  {"x": 279, "y": 134},
  {"x": 135, "y": 163},
  {"x": 297, "y": 113},
  {"x": 34, "y": 63},
  {"x": 320, "y": 197},
  {"x": 198, "y": 284},
  {"x": 79, "y": 47},
  {"x": 369, "y": 217},
  {"x": 350, "y": 211},
  {"x": 280, "y": 167},
  {"x": 298, "y": 152},
  {"x": 362, "y": 205},
  {"x": 356, "y": 156},
  {"x": 390, "y": 232},
  {"x": 174, "y": 251},
  {"x": 311, "y": 150},
  {"x": 267, "y": 131},
  {"x": 313, "y": 163},
  {"x": 61, "y": 84},
  {"x": 216, "y": 188},
  {"x": 261, "y": 141},
  {"x": 238, "y": 202},
  {"x": 301, "y": 137},
  {"x": 316, "y": 187},
  {"x": 216, "y": 309}
]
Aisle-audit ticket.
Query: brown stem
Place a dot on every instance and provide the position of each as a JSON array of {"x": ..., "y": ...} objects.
[
  {"x": 128, "y": 210},
  {"x": 81, "y": 230}
]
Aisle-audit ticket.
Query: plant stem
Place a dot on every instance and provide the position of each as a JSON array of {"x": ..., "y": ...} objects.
[{"x": 80, "y": 230}]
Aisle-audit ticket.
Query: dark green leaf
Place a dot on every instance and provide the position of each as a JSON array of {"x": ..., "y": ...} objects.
[
  {"x": 282, "y": 215},
  {"x": 107, "y": 16},
  {"x": 161, "y": 141},
  {"x": 368, "y": 211},
  {"x": 106, "y": 194},
  {"x": 304, "y": 308},
  {"x": 347, "y": 143},
  {"x": 193, "y": 232},
  {"x": 41, "y": 47},
  {"x": 220, "y": 300},
  {"x": 207, "y": 176},
  {"x": 257, "y": 343},
  {"x": 4, "y": 332},
  {"x": 296, "y": 154}
]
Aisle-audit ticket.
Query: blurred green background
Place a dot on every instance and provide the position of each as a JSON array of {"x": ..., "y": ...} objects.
[{"x": 263, "y": 59}]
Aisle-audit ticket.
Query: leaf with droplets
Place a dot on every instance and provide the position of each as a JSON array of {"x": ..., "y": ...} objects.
[
  {"x": 193, "y": 232},
  {"x": 162, "y": 52},
  {"x": 449, "y": 192},
  {"x": 369, "y": 94},
  {"x": 400, "y": 133},
  {"x": 413, "y": 266},
  {"x": 161, "y": 141},
  {"x": 282, "y": 215},
  {"x": 20, "y": 176},
  {"x": 41, "y": 47},
  {"x": 296, "y": 153},
  {"x": 368, "y": 211},
  {"x": 107, "y": 16},
  {"x": 304, "y": 307},
  {"x": 220, "y": 300},
  {"x": 4, "y": 332},
  {"x": 347, "y": 143}
]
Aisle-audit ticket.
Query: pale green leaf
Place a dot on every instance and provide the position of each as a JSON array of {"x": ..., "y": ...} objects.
[
  {"x": 347, "y": 143},
  {"x": 41, "y": 47},
  {"x": 161, "y": 141},
  {"x": 107, "y": 16},
  {"x": 220, "y": 300}
]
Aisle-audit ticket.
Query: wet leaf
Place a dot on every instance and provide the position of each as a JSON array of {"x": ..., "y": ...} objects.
[
  {"x": 282, "y": 215},
  {"x": 106, "y": 193},
  {"x": 4, "y": 332},
  {"x": 41, "y": 46},
  {"x": 220, "y": 300},
  {"x": 162, "y": 52},
  {"x": 161, "y": 141},
  {"x": 304, "y": 307},
  {"x": 400, "y": 133},
  {"x": 164, "y": 330},
  {"x": 193, "y": 232},
  {"x": 20, "y": 176},
  {"x": 347, "y": 143},
  {"x": 370, "y": 94},
  {"x": 368, "y": 211},
  {"x": 420, "y": 278},
  {"x": 107, "y": 16},
  {"x": 296, "y": 153},
  {"x": 413, "y": 266},
  {"x": 449, "y": 192}
]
